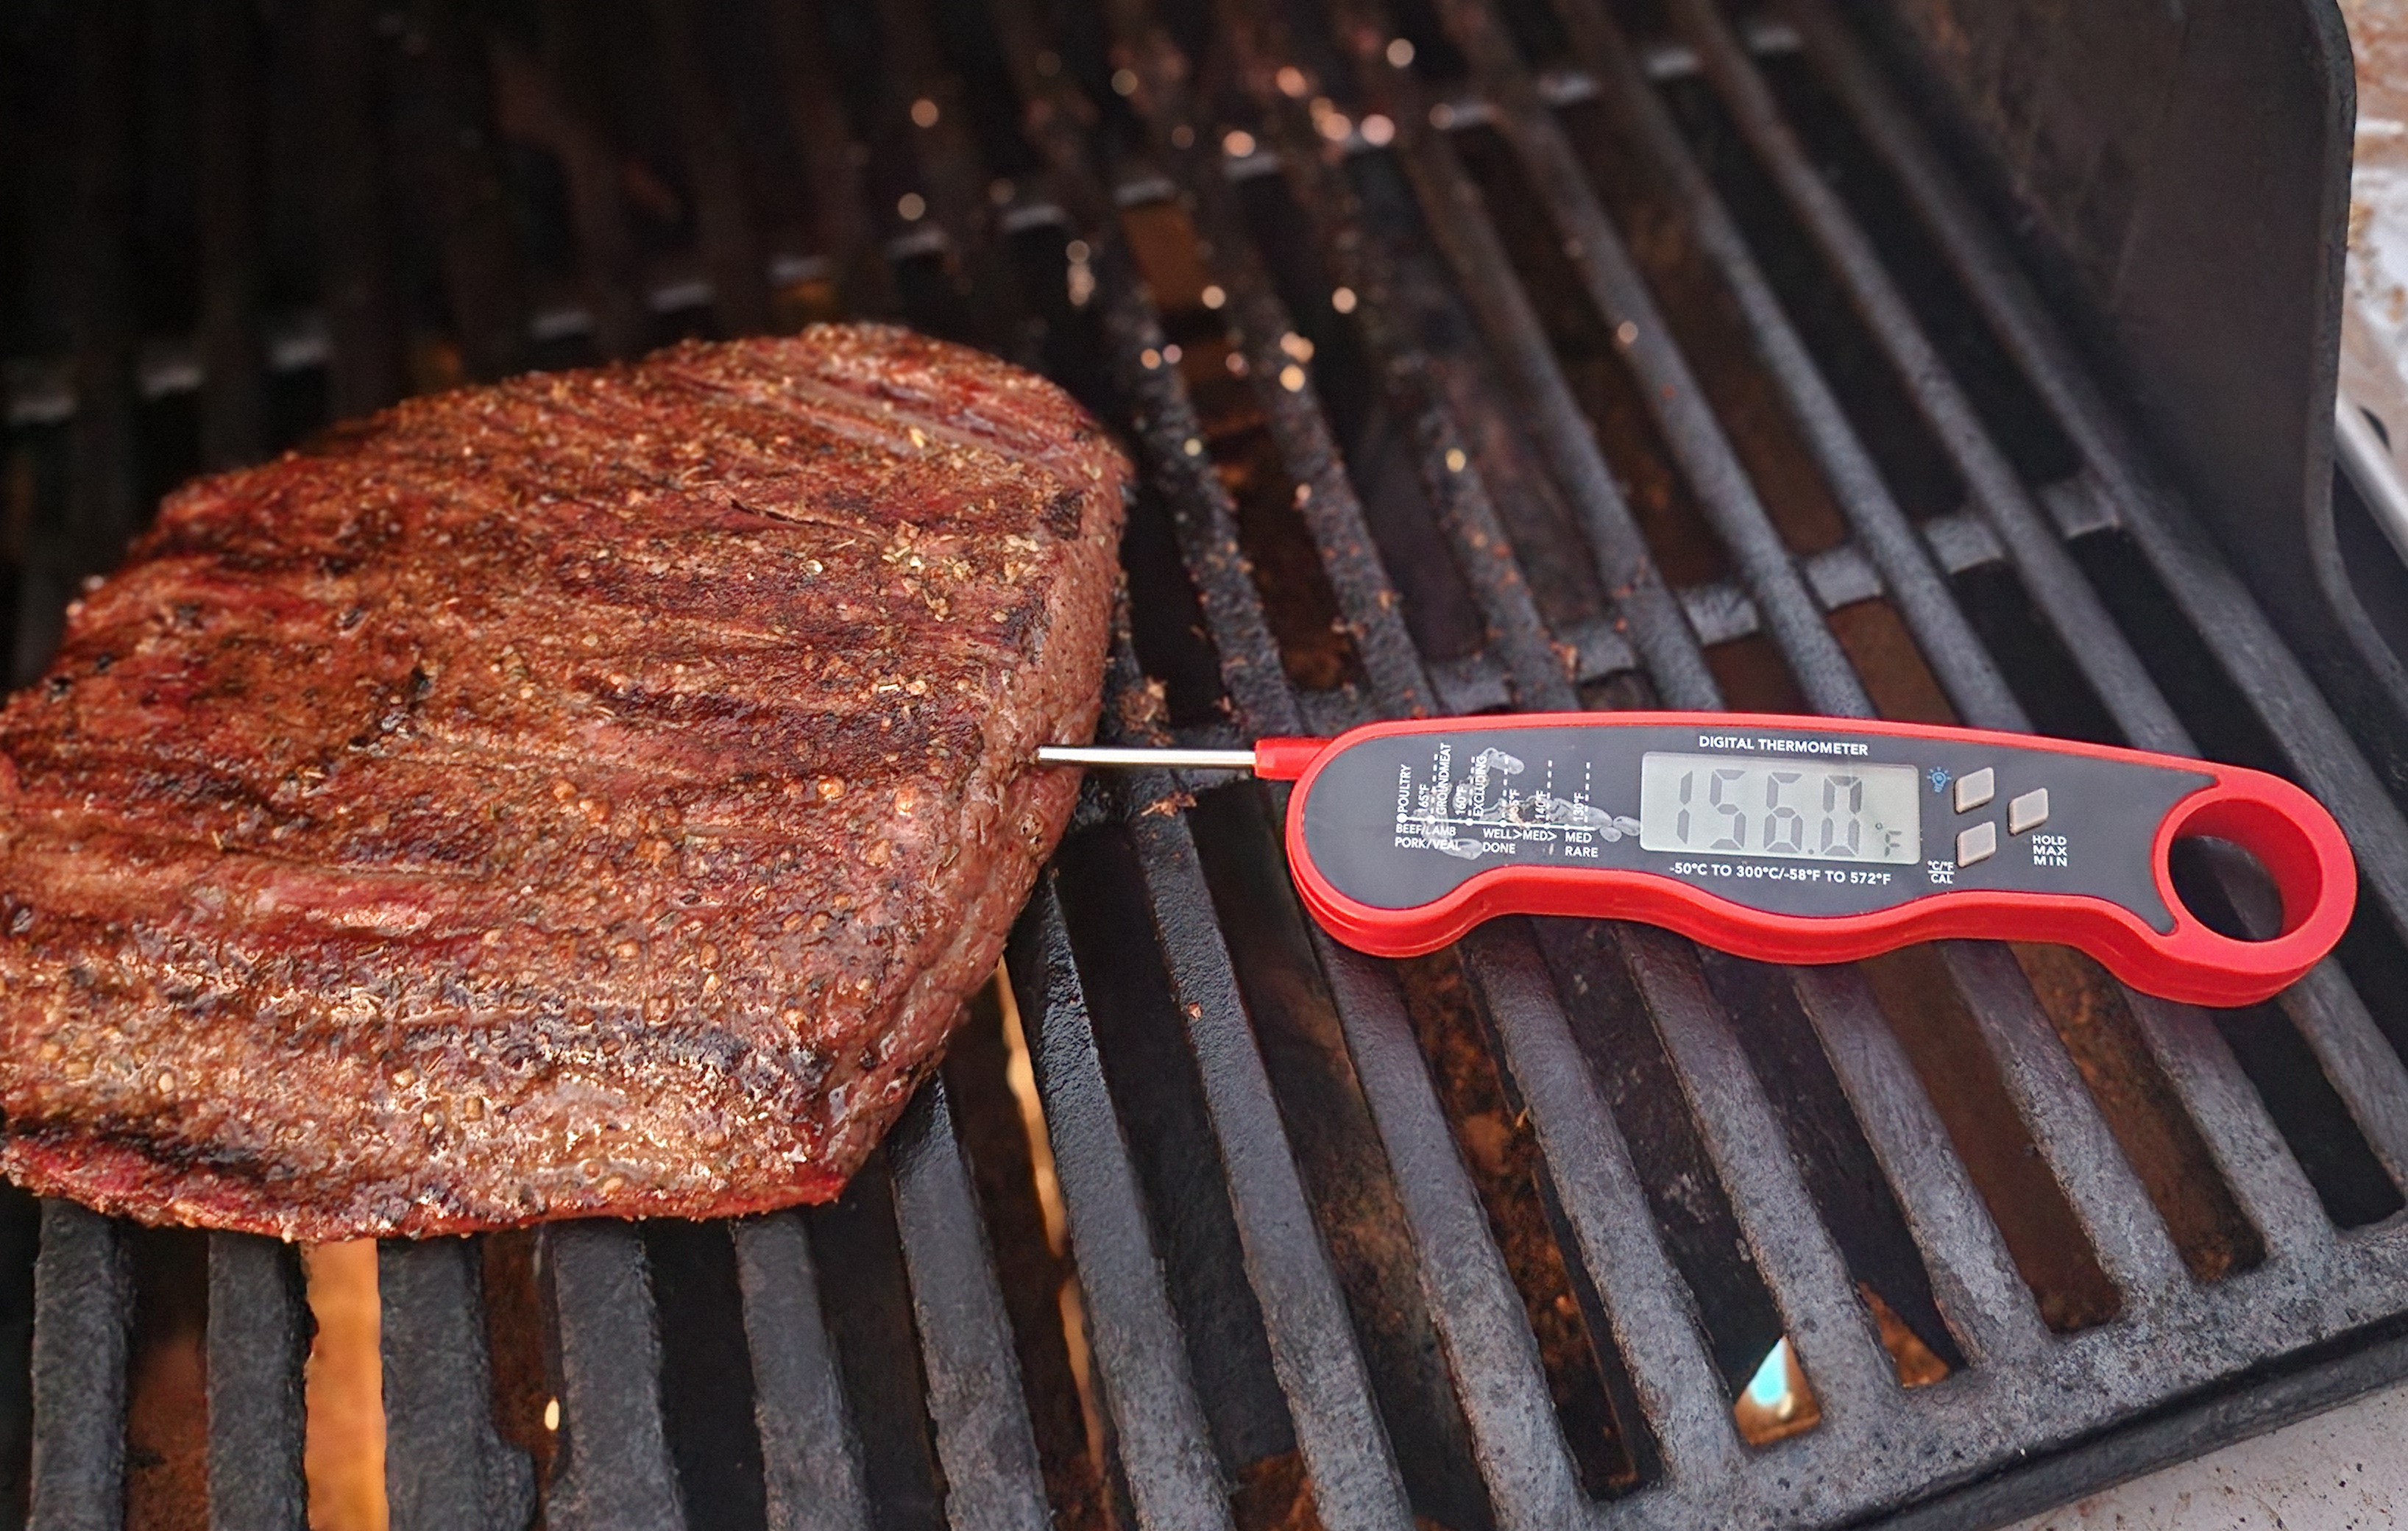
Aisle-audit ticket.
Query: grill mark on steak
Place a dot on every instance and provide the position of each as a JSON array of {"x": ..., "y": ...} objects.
[
  {"x": 591, "y": 794},
  {"x": 1013, "y": 423},
  {"x": 400, "y": 816}
]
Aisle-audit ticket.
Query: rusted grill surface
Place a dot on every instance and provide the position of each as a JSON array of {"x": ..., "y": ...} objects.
[{"x": 1483, "y": 354}]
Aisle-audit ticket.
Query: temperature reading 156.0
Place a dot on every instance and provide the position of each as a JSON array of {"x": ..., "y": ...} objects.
[{"x": 1757, "y": 806}]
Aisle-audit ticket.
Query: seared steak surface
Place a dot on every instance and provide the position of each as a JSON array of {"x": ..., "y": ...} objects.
[{"x": 590, "y": 795}]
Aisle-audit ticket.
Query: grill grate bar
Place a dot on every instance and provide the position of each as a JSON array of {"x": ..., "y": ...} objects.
[
  {"x": 1941, "y": 631},
  {"x": 832, "y": 160},
  {"x": 2066, "y": 1125},
  {"x": 1720, "y": 612},
  {"x": 1448, "y": 430},
  {"x": 364, "y": 370},
  {"x": 1263, "y": 323},
  {"x": 1475, "y": 684},
  {"x": 83, "y": 1298},
  {"x": 1962, "y": 541},
  {"x": 1838, "y": 1304},
  {"x": 1842, "y": 576},
  {"x": 2114, "y": 1208},
  {"x": 1468, "y": 514},
  {"x": 957, "y": 188},
  {"x": 2056, "y": 583},
  {"x": 1972, "y": 1274},
  {"x": 2326, "y": 1011},
  {"x": 1528, "y": 1468},
  {"x": 723, "y": 224},
  {"x": 2219, "y": 607},
  {"x": 446, "y": 1469},
  {"x": 2273, "y": 1192},
  {"x": 1519, "y": 347},
  {"x": 1678, "y": 405},
  {"x": 1339, "y": 1427},
  {"x": 258, "y": 1339},
  {"x": 1355, "y": 252},
  {"x": 811, "y": 1458},
  {"x": 984, "y": 1442},
  {"x": 1945, "y": 635},
  {"x": 612, "y": 1468},
  {"x": 233, "y": 410},
  {"x": 1827, "y": 1324},
  {"x": 1590, "y": 1167},
  {"x": 2360, "y": 1064},
  {"x": 535, "y": 109},
  {"x": 102, "y": 509},
  {"x": 2364, "y": 1070},
  {"x": 1282, "y": 388},
  {"x": 1203, "y": 517},
  {"x": 1650, "y": 1317},
  {"x": 20, "y": 1222},
  {"x": 445, "y": 156},
  {"x": 1159, "y": 1423},
  {"x": 1515, "y": 1433}
]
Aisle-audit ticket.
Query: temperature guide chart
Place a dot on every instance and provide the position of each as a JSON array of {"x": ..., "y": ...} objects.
[{"x": 1490, "y": 809}]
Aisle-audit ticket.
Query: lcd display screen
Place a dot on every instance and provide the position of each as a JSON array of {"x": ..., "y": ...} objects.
[{"x": 1754, "y": 806}]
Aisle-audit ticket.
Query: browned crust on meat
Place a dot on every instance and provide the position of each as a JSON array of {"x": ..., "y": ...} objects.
[{"x": 589, "y": 796}]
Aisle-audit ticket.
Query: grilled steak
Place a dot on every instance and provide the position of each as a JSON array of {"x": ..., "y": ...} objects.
[{"x": 590, "y": 795}]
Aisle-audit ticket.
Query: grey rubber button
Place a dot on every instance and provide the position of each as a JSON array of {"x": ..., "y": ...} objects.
[
  {"x": 1979, "y": 843},
  {"x": 2029, "y": 811},
  {"x": 1975, "y": 788}
]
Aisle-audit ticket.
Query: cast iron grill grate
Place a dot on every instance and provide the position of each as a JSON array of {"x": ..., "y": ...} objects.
[{"x": 1481, "y": 355}]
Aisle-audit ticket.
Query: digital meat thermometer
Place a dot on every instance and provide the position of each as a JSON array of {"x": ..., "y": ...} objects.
[{"x": 1788, "y": 839}]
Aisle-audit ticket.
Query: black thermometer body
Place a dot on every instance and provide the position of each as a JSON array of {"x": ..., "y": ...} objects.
[{"x": 1799, "y": 839}]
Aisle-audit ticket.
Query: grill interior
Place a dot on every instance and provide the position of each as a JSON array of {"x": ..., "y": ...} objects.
[{"x": 1477, "y": 355}]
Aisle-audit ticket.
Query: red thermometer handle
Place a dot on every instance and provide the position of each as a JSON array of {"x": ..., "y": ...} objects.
[{"x": 1801, "y": 840}]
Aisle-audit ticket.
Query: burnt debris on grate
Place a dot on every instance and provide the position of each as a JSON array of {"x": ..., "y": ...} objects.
[{"x": 1477, "y": 355}]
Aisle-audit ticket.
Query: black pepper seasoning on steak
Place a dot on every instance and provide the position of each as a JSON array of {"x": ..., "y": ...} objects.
[{"x": 591, "y": 795}]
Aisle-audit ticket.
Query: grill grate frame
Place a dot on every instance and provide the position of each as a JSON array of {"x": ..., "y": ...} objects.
[{"x": 1489, "y": 425}]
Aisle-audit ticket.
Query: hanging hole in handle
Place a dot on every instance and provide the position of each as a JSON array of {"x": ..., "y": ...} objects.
[
  {"x": 2243, "y": 868},
  {"x": 2225, "y": 888}
]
